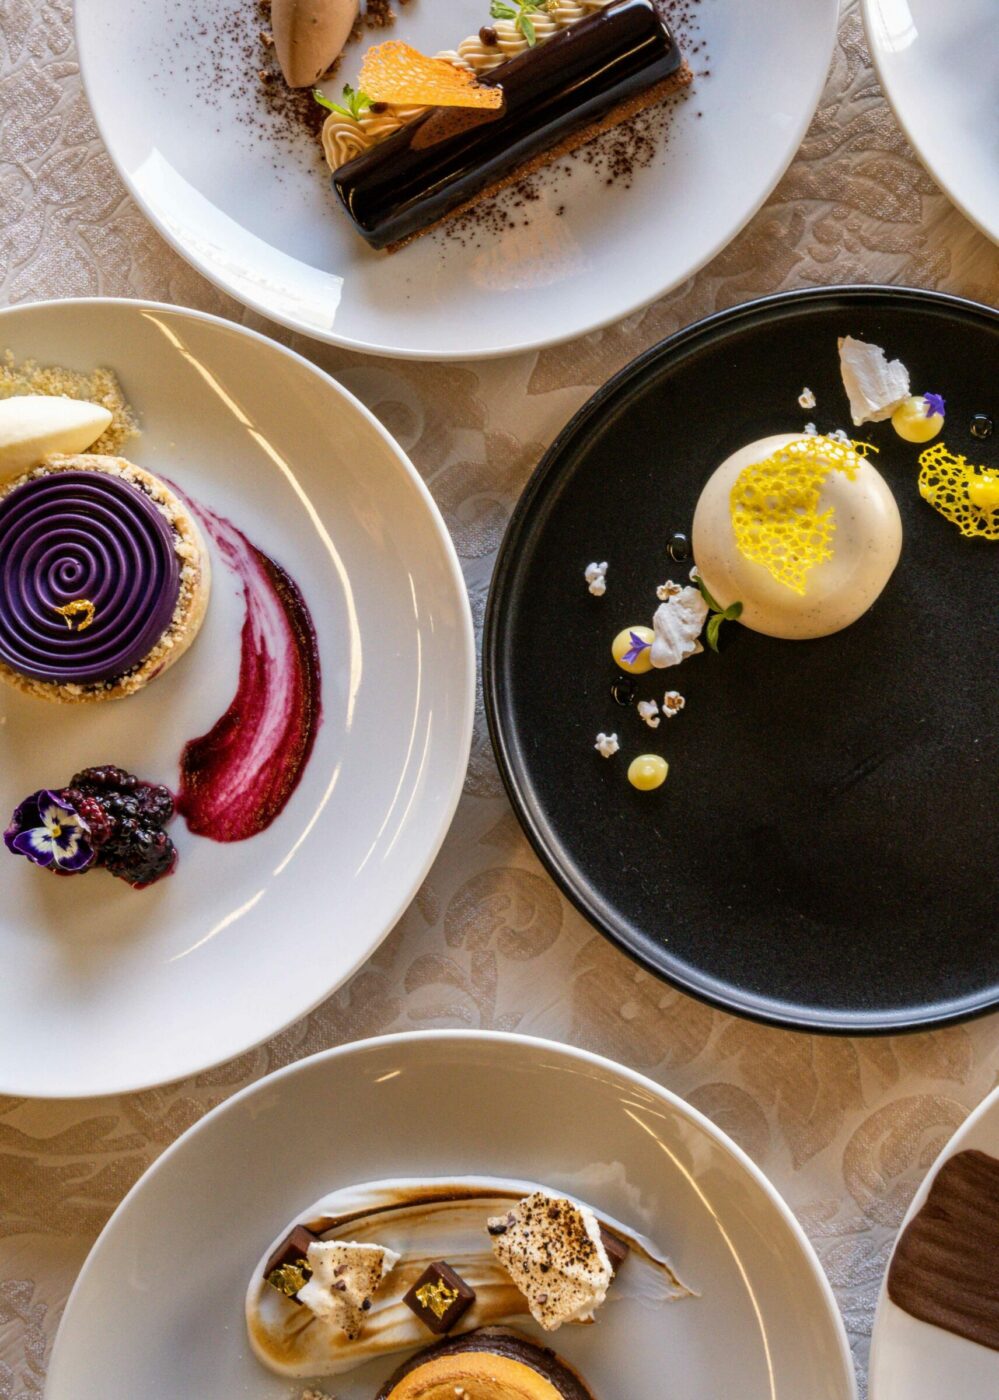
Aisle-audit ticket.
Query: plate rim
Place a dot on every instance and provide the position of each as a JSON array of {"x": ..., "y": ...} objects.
[
  {"x": 949, "y": 1149},
  {"x": 541, "y": 1045},
  {"x": 795, "y": 137},
  {"x": 466, "y": 636},
  {"x": 882, "y": 68},
  {"x": 529, "y": 816}
]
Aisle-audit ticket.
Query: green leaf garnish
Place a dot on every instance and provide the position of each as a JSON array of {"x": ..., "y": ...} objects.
[
  {"x": 718, "y": 613},
  {"x": 521, "y": 16},
  {"x": 353, "y": 103}
]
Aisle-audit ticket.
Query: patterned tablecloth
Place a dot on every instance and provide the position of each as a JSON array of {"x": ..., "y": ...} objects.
[{"x": 845, "y": 1128}]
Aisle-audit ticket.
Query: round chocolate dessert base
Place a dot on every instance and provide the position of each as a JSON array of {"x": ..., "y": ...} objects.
[
  {"x": 192, "y": 598},
  {"x": 493, "y": 1363}
]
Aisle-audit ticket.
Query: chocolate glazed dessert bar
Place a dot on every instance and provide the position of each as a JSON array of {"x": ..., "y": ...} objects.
[{"x": 556, "y": 97}]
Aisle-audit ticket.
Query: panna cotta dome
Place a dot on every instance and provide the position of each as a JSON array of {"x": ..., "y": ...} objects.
[{"x": 829, "y": 555}]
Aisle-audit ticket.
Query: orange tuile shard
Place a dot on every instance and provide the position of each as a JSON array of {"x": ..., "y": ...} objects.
[{"x": 393, "y": 72}]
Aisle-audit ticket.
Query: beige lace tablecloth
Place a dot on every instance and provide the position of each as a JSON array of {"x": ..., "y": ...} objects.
[{"x": 845, "y": 1128}]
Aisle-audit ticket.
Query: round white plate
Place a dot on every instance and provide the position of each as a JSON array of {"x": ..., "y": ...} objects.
[
  {"x": 910, "y": 1359},
  {"x": 174, "y": 89},
  {"x": 938, "y": 62},
  {"x": 158, "y": 1307},
  {"x": 107, "y": 989}
]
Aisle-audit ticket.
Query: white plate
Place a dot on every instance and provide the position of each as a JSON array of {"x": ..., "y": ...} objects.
[
  {"x": 158, "y": 1307},
  {"x": 910, "y": 1359},
  {"x": 938, "y": 62},
  {"x": 106, "y": 989},
  {"x": 173, "y": 96}
]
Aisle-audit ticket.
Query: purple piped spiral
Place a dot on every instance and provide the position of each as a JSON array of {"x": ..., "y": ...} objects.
[{"x": 83, "y": 536}]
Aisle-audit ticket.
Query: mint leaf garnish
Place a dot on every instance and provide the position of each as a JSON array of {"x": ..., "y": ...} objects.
[{"x": 354, "y": 103}]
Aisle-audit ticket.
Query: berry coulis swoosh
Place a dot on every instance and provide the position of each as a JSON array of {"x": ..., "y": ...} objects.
[{"x": 238, "y": 777}]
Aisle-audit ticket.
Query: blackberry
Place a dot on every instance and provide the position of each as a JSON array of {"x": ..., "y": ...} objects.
[
  {"x": 155, "y": 802},
  {"x": 105, "y": 778},
  {"x": 126, "y": 817},
  {"x": 95, "y": 815},
  {"x": 140, "y": 855}
]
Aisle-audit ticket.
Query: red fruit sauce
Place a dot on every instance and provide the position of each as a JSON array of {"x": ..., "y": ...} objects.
[{"x": 235, "y": 779}]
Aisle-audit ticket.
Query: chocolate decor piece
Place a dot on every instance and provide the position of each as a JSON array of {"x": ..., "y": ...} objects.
[
  {"x": 287, "y": 1269},
  {"x": 558, "y": 94},
  {"x": 944, "y": 1269},
  {"x": 440, "y": 1297}
]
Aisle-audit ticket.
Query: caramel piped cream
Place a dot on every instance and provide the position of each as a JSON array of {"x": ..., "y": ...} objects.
[{"x": 422, "y": 1221}]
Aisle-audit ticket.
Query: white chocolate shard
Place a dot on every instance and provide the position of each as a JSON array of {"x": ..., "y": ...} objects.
[
  {"x": 874, "y": 384},
  {"x": 551, "y": 1248},
  {"x": 345, "y": 1278}
]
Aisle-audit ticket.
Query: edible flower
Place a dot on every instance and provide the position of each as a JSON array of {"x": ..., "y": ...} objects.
[
  {"x": 934, "y": 405},
  {"x": 50, "y": 833},
  {"x": 354, "y": 103},
  {"x": 520, "y": 12},
  {"x": 638, "y": 645}
]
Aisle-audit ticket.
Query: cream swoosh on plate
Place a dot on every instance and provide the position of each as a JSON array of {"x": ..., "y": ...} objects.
[{"x": 422, "y": 1220}]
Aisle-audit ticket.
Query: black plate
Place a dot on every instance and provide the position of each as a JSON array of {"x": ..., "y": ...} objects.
[{"x": 825, "y": 853}]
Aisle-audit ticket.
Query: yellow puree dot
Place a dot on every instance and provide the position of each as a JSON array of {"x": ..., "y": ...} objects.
[
  {"x": 911, "y": 423},
  {"x": 623, "y": 643},
  {"x": 983, "y": 491},
  {"x": 647, "y": 772}
]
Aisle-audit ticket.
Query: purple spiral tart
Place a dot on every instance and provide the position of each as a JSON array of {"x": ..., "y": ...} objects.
[{"x": 99, "y": 565}]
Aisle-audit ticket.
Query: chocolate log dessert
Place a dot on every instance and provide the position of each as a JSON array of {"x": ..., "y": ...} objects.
[{"x": 557, "y": 96}]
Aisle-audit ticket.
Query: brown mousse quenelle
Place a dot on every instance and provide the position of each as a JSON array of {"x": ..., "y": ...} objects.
[
  {"x": 493, "y": 1363},
  {"x": 308, "y": 36}
]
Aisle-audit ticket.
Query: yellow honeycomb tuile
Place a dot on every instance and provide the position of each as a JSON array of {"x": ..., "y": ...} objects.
[
  {"x": 966, "y": 495},
  {"x": 775, "y": 512}
]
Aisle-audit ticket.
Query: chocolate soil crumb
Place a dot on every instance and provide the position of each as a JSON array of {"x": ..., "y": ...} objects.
[{"x": 234, "y": 68}]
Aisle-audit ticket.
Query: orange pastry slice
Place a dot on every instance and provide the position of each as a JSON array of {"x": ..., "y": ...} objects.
[{"x": 394, "y": 72}]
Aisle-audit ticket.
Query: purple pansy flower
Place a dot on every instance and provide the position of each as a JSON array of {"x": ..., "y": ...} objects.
[
  {"x": 50, "y": 833},
  {"x": 934, "y": 404},
  {"x": 638, "y": 645}
]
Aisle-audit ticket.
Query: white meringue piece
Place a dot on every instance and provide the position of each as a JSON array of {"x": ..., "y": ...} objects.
[
  {"x": 874, "y": 384},
  {"x": 678, "y": 624}
]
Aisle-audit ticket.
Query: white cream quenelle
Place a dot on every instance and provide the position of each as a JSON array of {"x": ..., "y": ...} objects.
[
  {"x": 800, "y": 530},
  {"x": 411, "y": 1224},
  {"x": 34, "y": 425}
]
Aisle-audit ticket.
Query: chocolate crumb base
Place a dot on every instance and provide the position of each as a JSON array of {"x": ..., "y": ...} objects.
[
  {"x": 676, "y": 83},
  {"x": 192, "y": 595},
  {"x": 499, "y": 1341}
]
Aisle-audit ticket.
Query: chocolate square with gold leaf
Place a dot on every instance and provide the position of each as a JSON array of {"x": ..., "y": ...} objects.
[
  {"x": 439, "y": 1297},
  {"x": 287, "y": 1269}
]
